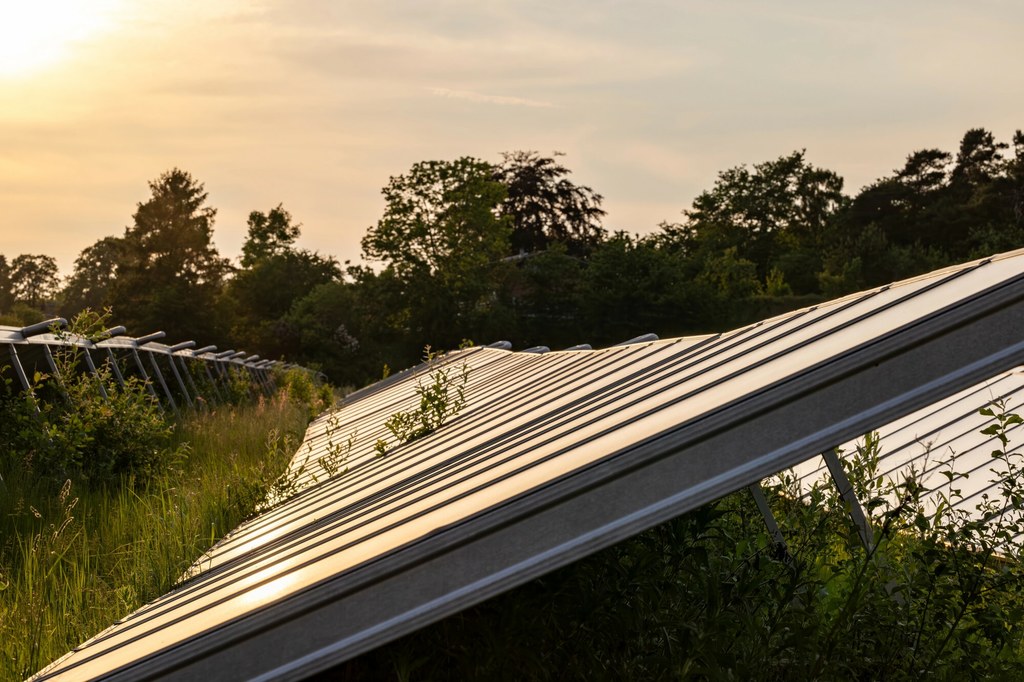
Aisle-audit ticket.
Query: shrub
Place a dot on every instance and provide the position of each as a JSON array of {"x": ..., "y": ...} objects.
[
  {"x": 305, "y": 387},
  {"x": 64, "y": 427}
]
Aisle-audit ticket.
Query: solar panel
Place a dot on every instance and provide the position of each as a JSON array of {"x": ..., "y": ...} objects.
[
  {"x": 556, "y": 455},
  {"x": 944, "y": 436},
  {"x": 167, "y": 369}
]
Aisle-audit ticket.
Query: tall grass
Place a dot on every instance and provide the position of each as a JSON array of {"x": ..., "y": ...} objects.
[{"x": 75, "y": 558}]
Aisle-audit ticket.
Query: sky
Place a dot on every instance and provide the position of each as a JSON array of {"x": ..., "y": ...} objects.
[{"x": 315, "y": 104}]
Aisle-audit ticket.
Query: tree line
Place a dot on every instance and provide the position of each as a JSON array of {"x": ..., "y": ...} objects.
[{"x": 468, "y": 249}]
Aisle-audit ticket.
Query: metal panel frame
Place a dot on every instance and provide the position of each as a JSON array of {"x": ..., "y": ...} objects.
[{"x": 625, "y": 493}]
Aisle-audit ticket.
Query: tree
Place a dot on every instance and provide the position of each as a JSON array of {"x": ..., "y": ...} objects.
[
  {"x": 34, "y": 279},
  {"x": 90, "y": 284},
  {"x": 352, "y": 328},
  {"x": 270, "y": 234},
  {"x": 171, "y": 273},
  {"x": 274, "y": 275},
  {"x": 546, "y": 207},
  {"x": 634, "y": 286},
  {"x": 775, "y": 216},
  {"x": 6, "y": 285},
  {"x": 951, "y": 208},
  {"x": 443, "y": 239},
  {"x": 440, "y": 219},
  {"x": 979, "y": 159},
  {"x": 546, "y": 293}
]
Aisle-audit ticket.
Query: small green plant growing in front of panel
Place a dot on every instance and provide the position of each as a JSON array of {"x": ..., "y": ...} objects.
[{"x": 441, "y": 397}]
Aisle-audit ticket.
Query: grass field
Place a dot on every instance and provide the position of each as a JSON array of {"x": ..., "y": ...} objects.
[{"x": 75, "y": 558}]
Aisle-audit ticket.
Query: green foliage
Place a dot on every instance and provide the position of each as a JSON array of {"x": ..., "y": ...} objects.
[
  {"x": 780, "y": 207},
  {"x": 440, "y": 219},
  {"x": 775, "y": 284},
  {"x": 301, "y": 473},
  {"x": 304, "y": 387},
  {"x": 75, "y": 557},
  {"x": 634, "y": 285},
  {"x": 549, "y": 319},
  {"x": 442, "y": 397},
  {"x": 442, "y": 240},
  {"x": 710, "y": 595},
  {"x": 515, "y": 250},
  {"x": 169, "y": 269},
  {"x": 274, "y": 275},
  {"x": 90, "y": 428},
  {"x": 730, "y": 276},
  {"x": 34, "y": 279},
  {"x": 947, "y": 209},
  {"x": 270, "y": 234},
  {"x": 546, "y": 208},
  {"x": 22, "y": 315},
  {"x": 6, "y": 285},
  {"x": 92, "y": 280}
]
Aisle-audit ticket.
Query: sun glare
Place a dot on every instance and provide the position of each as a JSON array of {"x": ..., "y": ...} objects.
[{"x": 35, "y": 34}]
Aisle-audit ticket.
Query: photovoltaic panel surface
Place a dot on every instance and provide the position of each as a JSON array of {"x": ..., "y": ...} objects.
[
  {"x": 944, "y": 437},
  {"x": 555, "y": 456}
]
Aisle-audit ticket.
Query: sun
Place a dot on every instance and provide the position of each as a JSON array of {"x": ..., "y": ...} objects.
[{"x": 36, "y": 34}]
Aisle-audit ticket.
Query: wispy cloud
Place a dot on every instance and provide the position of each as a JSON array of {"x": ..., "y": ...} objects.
[{"x": 491, "y": 99}]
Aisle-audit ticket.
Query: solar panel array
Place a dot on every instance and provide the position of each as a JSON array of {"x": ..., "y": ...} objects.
[
  {"x": 555, "y": 455},
  {"x": 176, "y": 375}
]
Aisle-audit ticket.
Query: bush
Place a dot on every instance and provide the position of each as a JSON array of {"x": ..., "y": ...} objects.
[
  {"x": 304, "y": 387},
  {"x": 64, "y": 427}
]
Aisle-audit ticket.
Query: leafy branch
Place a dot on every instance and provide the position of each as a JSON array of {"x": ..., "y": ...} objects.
[{"x": 441, "y": 398}]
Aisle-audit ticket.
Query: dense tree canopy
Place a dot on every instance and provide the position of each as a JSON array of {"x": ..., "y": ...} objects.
[
  {"x": 92, "y": 280},
  {"x": 442, "y": 237},
  {"x": 935, "y": 210},
  {"x": 34, "y": 279},
  {"x": 774, "y": 216},
  {"x": 440, "y": 219},
  {"x": 270, "y": 234},
  {"x": 170, "y": 273},
  {"x": 516, "y": 250},
  {"x": 546, "y": 207},
  {"x": 274, "y": 275}
]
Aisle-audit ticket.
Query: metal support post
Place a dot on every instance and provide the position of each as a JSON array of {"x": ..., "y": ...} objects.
[
  {"x": 145, "y": 376},
  {"x": 163, "y": 384},
  {"x": 212, "y": 379},
  {"x": 50, "y": 361},
  {"x": 769, "y": 518},
  {"x": 860, "y": 519},
  {"x": 96, "y": 375},
  {"x": 114, "y": 368},
  {"x": 187, "y": 373},
  {"x": 19, "y": 370}
]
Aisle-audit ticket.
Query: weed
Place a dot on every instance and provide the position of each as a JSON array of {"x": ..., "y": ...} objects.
[
  {"x": 442, "y": 397},
  {"x": 333, "y": 462}
]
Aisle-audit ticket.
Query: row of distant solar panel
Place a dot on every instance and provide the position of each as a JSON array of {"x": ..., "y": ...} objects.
[
  {"x": 166, "y": 370},
  {"x": 555, "y": 456}
]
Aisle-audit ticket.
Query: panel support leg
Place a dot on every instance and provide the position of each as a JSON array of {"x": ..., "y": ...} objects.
[
  {"x": 769, "y": 518},
  {"x": 860, "y": 519}
]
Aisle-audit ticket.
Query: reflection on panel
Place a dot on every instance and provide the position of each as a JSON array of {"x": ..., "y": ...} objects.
[{"x": 553, "y": 456}]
